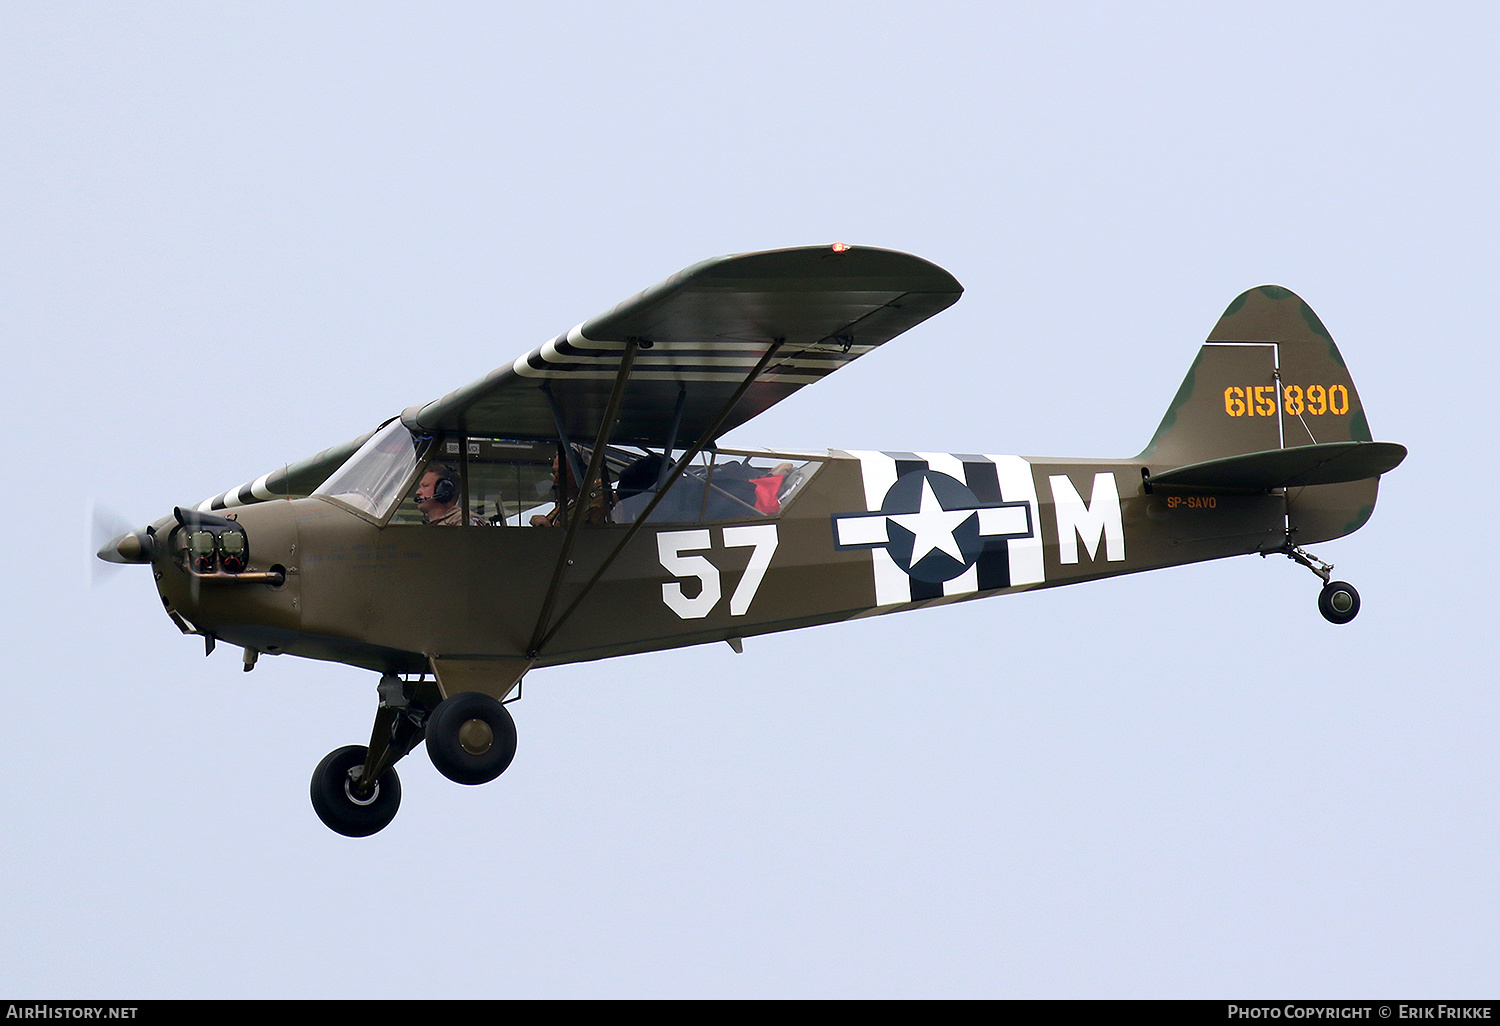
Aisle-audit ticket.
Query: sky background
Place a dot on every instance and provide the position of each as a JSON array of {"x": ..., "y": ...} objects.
[{"x": 234, "y": 234}]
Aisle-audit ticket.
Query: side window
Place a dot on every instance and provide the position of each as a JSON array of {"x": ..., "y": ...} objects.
[
  {"x": 753, "y": 486},
  {"x": 636, "y": 487},
  {"x": 513, "y": 484},
  {"x": 730, "y": 486},
  {"x": 509, "y": 482}
]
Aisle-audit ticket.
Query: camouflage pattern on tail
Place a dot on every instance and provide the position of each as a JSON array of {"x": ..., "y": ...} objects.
[{"x": 1270, "y": 377}]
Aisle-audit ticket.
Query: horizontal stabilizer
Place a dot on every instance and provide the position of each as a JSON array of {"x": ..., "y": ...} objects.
[{"x": 1328, "y": 463}]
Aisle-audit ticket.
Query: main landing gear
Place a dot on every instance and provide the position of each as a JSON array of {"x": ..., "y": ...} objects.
[
  {"x": 470, "y": 736},
  {"x": 1338, "y": 601}
]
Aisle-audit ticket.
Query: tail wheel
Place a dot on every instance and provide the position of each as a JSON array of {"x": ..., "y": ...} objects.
[
  {"x": 338, "y": 803},
  {"x": 471, "y": 738},
  {"x": 1338, "y": 602}
]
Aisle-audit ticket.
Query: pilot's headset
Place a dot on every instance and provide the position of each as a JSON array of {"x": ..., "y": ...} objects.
[{"x": 446, "y": 488}]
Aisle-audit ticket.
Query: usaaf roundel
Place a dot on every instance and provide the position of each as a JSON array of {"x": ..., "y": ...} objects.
[{"x": 940, "y": 525}]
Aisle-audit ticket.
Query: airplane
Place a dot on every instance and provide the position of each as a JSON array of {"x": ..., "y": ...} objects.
[{"x": 575, "y": 504}]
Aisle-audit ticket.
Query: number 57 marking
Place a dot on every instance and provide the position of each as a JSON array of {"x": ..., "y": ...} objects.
[{"x": 670, "y": 546}]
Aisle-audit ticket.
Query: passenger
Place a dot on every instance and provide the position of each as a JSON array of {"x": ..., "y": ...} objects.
[
  {"x": 437, "y": 496},
  {"x": 596, "y": 511}
]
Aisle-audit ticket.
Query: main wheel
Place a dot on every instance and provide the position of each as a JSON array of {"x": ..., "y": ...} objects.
[
  {"x": 1338, "y": 602},
  {"x": 336, "y": 804},
  {"x": 471, "y": 738}
]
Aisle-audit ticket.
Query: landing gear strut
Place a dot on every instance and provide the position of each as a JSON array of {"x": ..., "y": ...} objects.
[{"x": 1338, "y": 601}]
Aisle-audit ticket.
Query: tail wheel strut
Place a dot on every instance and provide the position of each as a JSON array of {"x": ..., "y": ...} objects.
[{"x": 1338, "y": 601}]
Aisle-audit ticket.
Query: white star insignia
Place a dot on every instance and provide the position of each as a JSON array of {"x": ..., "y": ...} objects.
[{"x": 933, "y": 526}]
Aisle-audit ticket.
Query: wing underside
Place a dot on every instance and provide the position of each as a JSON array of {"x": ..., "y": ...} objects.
[{"x": 699, "y": 335}]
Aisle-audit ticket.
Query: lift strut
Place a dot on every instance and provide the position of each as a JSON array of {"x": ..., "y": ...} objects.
[{"x": 705, "y": 438}]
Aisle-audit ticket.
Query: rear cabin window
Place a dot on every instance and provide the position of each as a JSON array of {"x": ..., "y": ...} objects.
[{"x": 728, "y": 487}]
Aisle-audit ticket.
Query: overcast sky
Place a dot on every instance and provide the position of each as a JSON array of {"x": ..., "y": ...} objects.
[{"x": 232, "y": 235}]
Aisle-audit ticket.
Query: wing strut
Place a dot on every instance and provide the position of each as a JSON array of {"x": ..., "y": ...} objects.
[
  {"x": 704, "y": 440},
  {"x": 666, "y": 455},
  {"x": 596, "y": 465},
  {"x": 567, "y": 443}
]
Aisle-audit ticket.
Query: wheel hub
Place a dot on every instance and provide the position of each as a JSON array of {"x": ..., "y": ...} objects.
[
  {"x": 1341, "y": 601},
  {"x": 353, "y": 795},
  {"x": 476, "y": 736}
]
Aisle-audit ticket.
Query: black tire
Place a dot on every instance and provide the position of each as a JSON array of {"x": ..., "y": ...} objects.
[
  {"x": 482, "y": 723},
  {"x": 336, "y": 805},
  {"x": 1338, "y": 602}
]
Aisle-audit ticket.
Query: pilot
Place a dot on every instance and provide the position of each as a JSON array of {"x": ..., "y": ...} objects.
[
  {"x": 595, "y": 512},
  {"x": 437, "y": 496}
]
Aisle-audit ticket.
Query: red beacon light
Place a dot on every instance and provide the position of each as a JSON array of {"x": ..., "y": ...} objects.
[{"x": 841, "y": 247}]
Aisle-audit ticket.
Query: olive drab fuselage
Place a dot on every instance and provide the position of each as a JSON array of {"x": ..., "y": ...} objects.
[{"x": 393, "y": 598}]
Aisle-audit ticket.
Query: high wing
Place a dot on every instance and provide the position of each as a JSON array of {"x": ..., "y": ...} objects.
[{"x": 699, "y": 335}]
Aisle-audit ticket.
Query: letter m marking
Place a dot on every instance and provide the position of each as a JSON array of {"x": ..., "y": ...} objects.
[{"x": 1099, "y": 517}]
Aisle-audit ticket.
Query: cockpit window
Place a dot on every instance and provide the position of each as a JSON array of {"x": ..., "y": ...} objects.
[{"x": 375, "y": 477}]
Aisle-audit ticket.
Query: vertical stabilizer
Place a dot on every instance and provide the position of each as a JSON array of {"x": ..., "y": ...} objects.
[{"x": 1270, "y": 377}]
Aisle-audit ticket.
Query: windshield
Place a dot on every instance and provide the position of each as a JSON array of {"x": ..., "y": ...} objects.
[{"x": 375, "y": 477}]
